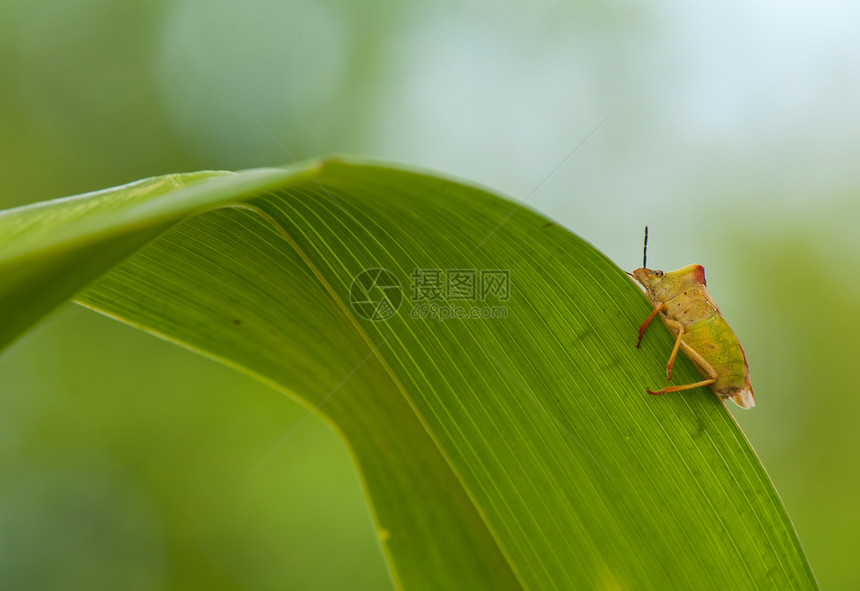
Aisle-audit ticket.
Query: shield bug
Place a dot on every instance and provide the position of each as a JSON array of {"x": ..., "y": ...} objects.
[{"x": 685, "y": 306}]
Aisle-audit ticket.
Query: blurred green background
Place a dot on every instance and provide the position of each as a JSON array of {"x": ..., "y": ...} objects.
[{"x": 734, "y": 134}]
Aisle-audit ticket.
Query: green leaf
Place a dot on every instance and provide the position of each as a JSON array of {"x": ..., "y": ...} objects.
[{"x": 512, "y": 452}]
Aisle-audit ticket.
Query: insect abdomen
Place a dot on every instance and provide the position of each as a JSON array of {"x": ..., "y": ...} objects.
[{"x": 713, "y": 339}]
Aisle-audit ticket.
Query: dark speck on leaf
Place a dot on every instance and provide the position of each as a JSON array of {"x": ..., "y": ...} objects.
[
  {"x": 547, "y": 225},
  {"x": 614, "y": 362},
  {"x": 700, "y": 430},
  {"x": 586, "y": 332},
  {"x": 237, "y": 322}
]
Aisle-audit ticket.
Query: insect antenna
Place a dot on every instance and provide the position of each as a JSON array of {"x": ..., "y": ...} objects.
[{"x": 645, "y": 249}]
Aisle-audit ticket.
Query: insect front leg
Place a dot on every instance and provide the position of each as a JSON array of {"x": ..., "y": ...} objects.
[{"x": 648, "y": 320}]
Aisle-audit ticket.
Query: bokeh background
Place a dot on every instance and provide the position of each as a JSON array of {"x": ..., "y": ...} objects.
[{"x": 733, "y": 131}]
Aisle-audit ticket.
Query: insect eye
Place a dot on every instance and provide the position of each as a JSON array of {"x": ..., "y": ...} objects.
[{"x": 658, "y": 273}]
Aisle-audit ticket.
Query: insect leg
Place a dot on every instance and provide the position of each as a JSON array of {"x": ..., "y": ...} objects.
[
  {"x": 707, "y": 382},
  {"x": 648, "y": 320},
  {"x": 674, "y": 352},
  {"x": 700, "y": 362}
]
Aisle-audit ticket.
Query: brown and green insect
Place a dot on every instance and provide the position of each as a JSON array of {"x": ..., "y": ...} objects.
[{"x": 685, "y": 306}]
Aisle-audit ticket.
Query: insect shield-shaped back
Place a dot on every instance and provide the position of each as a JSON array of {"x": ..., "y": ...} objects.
[{"x": 682, "y": 301}]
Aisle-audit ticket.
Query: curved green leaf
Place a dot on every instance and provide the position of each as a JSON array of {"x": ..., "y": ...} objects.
[{"x": 519, "y": 451}]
